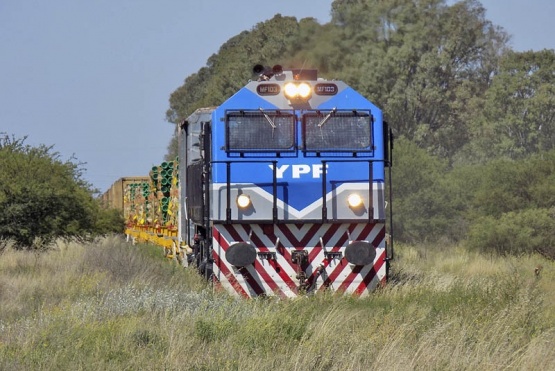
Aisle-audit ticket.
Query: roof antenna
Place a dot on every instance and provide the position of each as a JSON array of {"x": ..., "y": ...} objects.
[{"x": 298, "y": 75}]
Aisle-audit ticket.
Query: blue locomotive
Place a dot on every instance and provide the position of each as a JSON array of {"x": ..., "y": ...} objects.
[{"x": 283, "y": 187}]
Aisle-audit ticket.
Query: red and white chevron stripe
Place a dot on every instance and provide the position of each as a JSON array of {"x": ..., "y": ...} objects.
[{"x": 279, "y": 276}]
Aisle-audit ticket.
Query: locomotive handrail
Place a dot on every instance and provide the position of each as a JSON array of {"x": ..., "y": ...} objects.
[
  {"x": 370, "y": 186},
  {"x": 228, "y": 185},
  {"x": 274, "y": 185}
]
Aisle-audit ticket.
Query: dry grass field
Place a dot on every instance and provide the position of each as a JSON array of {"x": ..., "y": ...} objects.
[{"x": 113, "y": 306}]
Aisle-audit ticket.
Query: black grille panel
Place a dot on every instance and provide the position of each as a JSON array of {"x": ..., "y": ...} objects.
[
  {"x": 337, "y": 131},
  {"x": 260, "y": 131}
]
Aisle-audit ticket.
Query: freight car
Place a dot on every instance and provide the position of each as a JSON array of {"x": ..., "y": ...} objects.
[
  {"x": 282, "y": 188},
  {"x": 150, "y": 208}
]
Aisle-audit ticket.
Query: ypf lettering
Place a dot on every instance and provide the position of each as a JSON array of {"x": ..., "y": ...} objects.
[
  {"x": 300, "y": 169},
  {"x": 297, "y": 171}
]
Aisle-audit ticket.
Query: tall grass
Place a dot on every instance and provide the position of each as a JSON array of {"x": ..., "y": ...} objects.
[{"x": 113, "y": 306}]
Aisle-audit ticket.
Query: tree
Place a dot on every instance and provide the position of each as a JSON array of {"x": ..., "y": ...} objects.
[
  {"x": 172, "y": 149},
  {"x": 43, "y": 198},
  {"x": 422, "y": 203},
  {"x": 505, "y": 186},
  {"x": 448, "y": 84},
  {"x": 227, "y": 71},
  {"x": 510, "y": 205},
  {"x": 515, "y": 233},
  {"x": 518, "y": 115},
  {"x": 427, "y": 64},
  {"x": 423, "y": 61}
]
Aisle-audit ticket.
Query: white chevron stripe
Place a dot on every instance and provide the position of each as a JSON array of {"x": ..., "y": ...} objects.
[
  {"x": 341, "y": 268},
  {"x": 345, "y": 187}
]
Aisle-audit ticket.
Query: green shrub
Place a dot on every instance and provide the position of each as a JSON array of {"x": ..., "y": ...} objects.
[
  {"x": 423, "y": 210},
  {"x": 515, "y": 232},
  {"x": 43, "y": 198}
]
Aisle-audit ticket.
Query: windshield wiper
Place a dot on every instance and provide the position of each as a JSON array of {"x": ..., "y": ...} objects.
[
  {"x": 268, "y": 118},
  {"x": 328, "y": 116}
]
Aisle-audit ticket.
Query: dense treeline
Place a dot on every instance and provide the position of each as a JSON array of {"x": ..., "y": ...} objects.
[
  {"x": 43, "y": 198},
  {"x": 502, "y": 206},
  {"x": 475, "y": 120}
]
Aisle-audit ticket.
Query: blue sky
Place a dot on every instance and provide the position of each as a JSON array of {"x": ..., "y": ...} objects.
[{"x": 93, "y": 77}]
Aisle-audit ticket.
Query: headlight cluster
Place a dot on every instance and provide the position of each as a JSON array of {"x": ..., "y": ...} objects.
[{"x": 297, "y": 90}]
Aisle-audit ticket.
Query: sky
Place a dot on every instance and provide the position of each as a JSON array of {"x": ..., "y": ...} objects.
[{"x": 93, "y": 78}]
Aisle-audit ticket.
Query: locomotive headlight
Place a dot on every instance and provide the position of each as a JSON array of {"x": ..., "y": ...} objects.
[
  {"x": 291, "y": 90},
  {"x": 304, "y": 90},
  {"x": 354, "y": 200},
  {"x": 296, "y": 90},
  {"x": 243, "y": 201}
]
